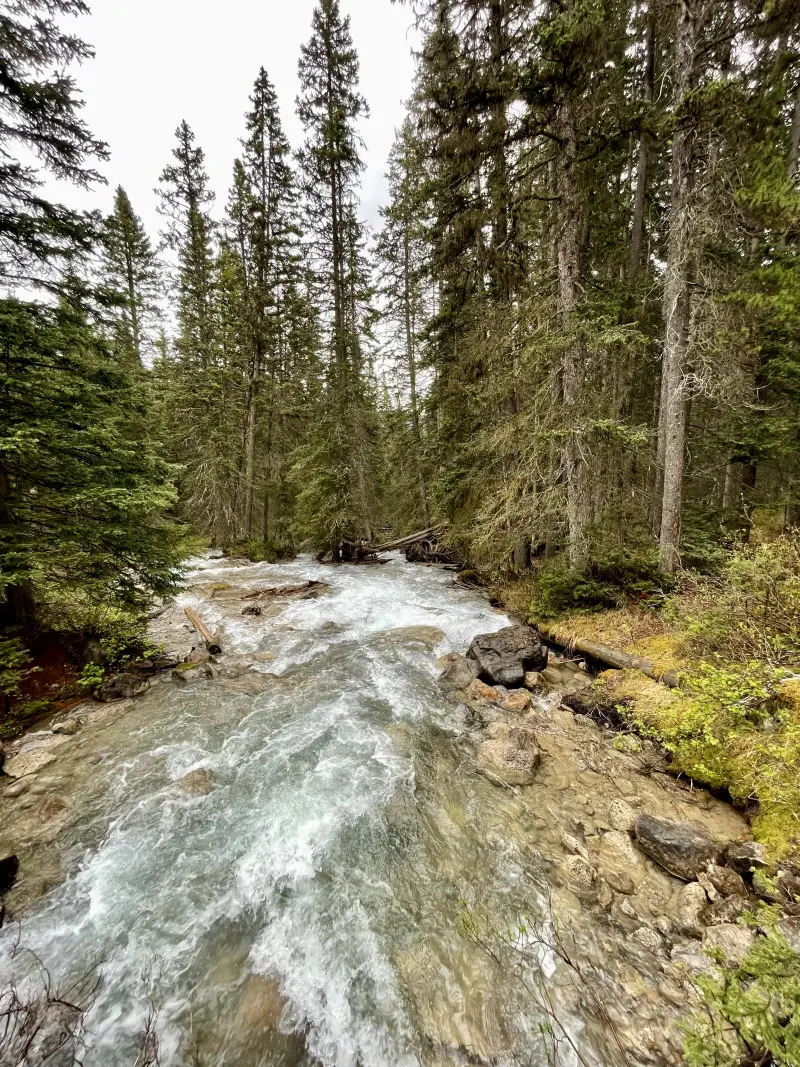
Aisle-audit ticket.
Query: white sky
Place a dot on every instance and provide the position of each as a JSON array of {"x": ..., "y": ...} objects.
[{"x": 159, "y": 61}]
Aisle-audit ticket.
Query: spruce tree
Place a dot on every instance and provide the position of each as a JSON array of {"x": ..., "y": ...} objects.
[
  {"x": 131, "y": 274},
  {"x": 337, "y": 499}
]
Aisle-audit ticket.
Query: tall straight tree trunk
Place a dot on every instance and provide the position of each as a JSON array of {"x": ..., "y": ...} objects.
[
  {"x": 575, "y": 472},
  {"x": 412, "y": 374},
  {"x": 643, "y": 167},
  {"x": 133, "y": 303},
  {"x": 672, "y": 416}
]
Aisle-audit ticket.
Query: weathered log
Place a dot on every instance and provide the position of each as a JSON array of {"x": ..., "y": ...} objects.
[
  {"x": 610, "y": 657},
  {"x": 407, "y": 541},
  {"x": 211, "y": 643},
  {"x": 298, "y": 591}
]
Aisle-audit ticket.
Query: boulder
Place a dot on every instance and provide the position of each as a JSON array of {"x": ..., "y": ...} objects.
[
  {"x": 746, "y": 857},
  {"x": 734, "y": 942},
  {"x": 192, "y": 672},
  {"x": 622, "y": 816},
  {"x": 28, "y": 763},
  {"x": 9, "y": 865},
  {"x": 728, "y": 910},
  {"x": 252, "y": 609},
  {"x": 691, "y": 910},
  {"x": 505, "y": 657},
  {"x": 726, "y": 883},
  {"x": 122, "y": 687},
  {"x": 518, "y": 700},
  {"x": 458, "y": 672},
  {"x": 509, "y": 756},
  {"x": 682, "y": 848},
  {"x": 478, "y": 690}
]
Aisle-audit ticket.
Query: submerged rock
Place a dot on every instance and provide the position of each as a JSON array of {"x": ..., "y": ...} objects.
[
  {"x": 122, "y": 687},
  {"x": 197, "y": 783},
  {"x": 192, "y": 672},
  {"x": 505, "y": 657},
  {"x": 509, "y": 756},
  {"x": 478, "y": 690},
  {"x": 28, "y": 763},
  {"x": 684, "y": 849},
  {"x": 622, "y": 816},
  {"x": 458, "y": 672}
]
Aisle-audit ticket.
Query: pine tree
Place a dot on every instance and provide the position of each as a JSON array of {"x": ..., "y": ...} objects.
[
  {"x": 131, "y": 273},
  {"x": 337, "y": 501}
]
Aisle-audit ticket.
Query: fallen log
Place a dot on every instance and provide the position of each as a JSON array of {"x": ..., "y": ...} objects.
[
  {"x": 610, "y": 657},
  {"x": 212, "y": 645},
  {"x": 406, "y": 542}
]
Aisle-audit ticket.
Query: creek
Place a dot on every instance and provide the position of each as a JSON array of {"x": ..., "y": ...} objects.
[{"x": 303, "y": 896}]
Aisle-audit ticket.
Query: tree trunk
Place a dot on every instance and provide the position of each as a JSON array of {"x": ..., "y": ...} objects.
[
  {"x": 412, "y": 373},
  {"x": 575, "y": 472},
  {"x": 672, "y": 416},
  {"x": 642, "y": 171}
]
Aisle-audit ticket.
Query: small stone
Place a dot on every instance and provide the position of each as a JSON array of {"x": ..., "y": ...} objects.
[
  {"x": 649, "y": 939},
  {"x": 533, "y": 680},
  {"x": 733, "y": 941},
  {"x": 621, "y": 844},
  {"x": 746, "y": 857},
  {"x": 619, "y": 881},
  {"x": 192, "y": 672},
  {"x": 519, "y": 700},
  {"x": 692, "y": 908},
  {"x": 17, "y": 789},
  {"x": 123, "y": 687},
  {"x": 728, "y": 910},
  {"x": 624, "y": 786},
  {"x": 622, "y": 816},
  {"x": 579, "y": 874},
  {"x": 573, "y": 845},
  {"x": 478, "y": 690},
  {"x": 67, "y": 727},
  {"x": 664, "y": 925}
]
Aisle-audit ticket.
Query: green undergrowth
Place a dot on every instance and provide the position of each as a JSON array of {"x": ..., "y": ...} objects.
[{"x": 734, "y": 639}]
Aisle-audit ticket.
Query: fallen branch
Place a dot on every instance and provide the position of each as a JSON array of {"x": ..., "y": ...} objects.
[
  {"x": 297, "y": 591},
  {"x": 212, "y": 645},
  {"x": 611, "y": 657},
  {"x": 407, "y": 541}
]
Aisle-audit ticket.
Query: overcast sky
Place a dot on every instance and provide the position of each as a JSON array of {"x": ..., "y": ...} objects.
[{"x": 160, "y": 61}]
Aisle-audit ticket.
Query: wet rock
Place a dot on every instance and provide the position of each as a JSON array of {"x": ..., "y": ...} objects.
[
  {"x": 519, "y": 700},
  {"x": 615, "y": 842},
  {"x": 725, "y": 881},
  {"x": 67, "y": 727},
  {"x": 509, "y": 756},
  {"x": 215, "y": 553},
  {"x": 573, "y": 845},
  {"x": 734, "y": 942},
  {"x": 746, "y": 857},
  {"x": 727, "y": 910},
  {"x": 533, "y": 680},
  {"x": 691, "y": 959},
  {"x": 622, "y": 816},
  {"x": 504, "y": 658},
  {"x": 51, "y": 807},
  {"x": 17, "y": 789},
  {"x": 252, "y": 682},
  {"x": 692, "y": 909},
  {"x": 261, "y": 1006},
  {"x": 478, "y": 690},
  {"x": 648, "y": 939},
  {"x": 579, "y": 876},
  {"x": 122, "y": 687},
  {"x": 28, "y": 763},
  {"x": 620, "y": 881},
  {"x": 252, "y": 609},
  {"x": 458, "y": 672},
  {"x": 2, "y": 756},
  {"x": 684, "y": 849},
  {"x": 192, "y": 672},
  {"x": 9, "y": 865},
  {"x": 197, "y": 783},
  {"x": 198, "y": 655},
  {"x": 427, "y": 636}
]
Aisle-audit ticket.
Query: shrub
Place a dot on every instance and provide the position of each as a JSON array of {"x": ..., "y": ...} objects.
[
  {"x": 610, "y": 580},
  {"x": 750, "y": 1013}
]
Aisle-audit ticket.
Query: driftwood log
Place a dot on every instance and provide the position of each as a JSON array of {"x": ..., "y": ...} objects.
[
  {"x": 203, "y": 632},
  {"x": 406, "y": 542},
  {"x": 610, "y": 657},
  {"x": 299, "y": 592}
]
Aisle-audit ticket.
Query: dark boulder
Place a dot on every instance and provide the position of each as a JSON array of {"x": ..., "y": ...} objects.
[
  {"x": 746, "y": 856},
  {"x": 9, "y": 865},
  {"x": 682, "y": 848},
  {"x": 505, "y": 657},
  {"x": 123, "y": 687}
]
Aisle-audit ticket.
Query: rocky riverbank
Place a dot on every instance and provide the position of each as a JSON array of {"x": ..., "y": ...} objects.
[{"x": 491, "y": 791}]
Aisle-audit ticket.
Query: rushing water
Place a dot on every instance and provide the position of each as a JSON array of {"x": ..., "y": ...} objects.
[{"x": 333, "y": 855}]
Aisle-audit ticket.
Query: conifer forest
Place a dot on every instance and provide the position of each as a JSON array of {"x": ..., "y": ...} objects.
[{"x": 562, "y": 368}]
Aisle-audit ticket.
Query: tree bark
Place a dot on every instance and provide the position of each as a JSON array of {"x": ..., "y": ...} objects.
[
  {"x": 672, "y": 417},
  {"x": 642, "y": 170}
]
